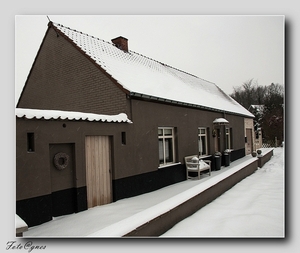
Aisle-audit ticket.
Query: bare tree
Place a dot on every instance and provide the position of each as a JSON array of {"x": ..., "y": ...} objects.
[
  {"x": 250, "y": 93},
  {"x": 272, "y": 98},
  {"x": 274, "y": 112}
]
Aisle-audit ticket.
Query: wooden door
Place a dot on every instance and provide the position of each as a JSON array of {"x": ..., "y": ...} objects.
[
  {"x": 98, "y": 170},
  {"x": 249, "y": 143}
]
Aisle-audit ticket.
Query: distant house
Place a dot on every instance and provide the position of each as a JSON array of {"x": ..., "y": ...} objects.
[
  {"x": 97, "y": 122},
  {"x": 258, "y": 112}
]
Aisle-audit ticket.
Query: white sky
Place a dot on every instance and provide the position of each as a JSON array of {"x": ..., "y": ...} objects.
[{"x": 226, "y": 50}]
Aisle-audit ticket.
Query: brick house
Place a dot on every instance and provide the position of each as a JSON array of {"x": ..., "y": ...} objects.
[{"x": 97, "y": 122}]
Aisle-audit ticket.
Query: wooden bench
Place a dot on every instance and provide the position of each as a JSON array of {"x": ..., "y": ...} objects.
[{"x": 194, "y": 164}]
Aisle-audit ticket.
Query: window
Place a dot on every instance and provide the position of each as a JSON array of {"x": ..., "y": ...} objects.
[
  {"x": 166, "y": 145},
  {"x": 123, "y": 138},
  {"x": 202, "y": 139},
  {"x": 228, "y": 138},
  {"x": 30, "y": 142}
]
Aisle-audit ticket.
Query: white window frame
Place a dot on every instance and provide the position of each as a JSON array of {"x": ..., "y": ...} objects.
[
  {"x": 228, "y": 138},
  {"x": 200, "y": 140},
  {"x": 163, "y": 137}
]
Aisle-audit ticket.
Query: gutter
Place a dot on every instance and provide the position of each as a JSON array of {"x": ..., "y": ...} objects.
[{"x": 169, "y": 101}]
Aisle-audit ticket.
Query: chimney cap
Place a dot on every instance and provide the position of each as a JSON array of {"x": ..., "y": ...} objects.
[
  {"x": 121, "y": 43},
  {"x": 119, "y": 37}
]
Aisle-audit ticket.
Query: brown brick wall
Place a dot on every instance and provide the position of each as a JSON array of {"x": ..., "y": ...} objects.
[{"x": 62, "y": 78}]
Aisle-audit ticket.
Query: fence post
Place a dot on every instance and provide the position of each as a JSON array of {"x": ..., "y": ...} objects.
[{"x": 275, "y": 142}]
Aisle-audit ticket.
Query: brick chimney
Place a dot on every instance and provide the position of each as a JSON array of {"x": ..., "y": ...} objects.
[{"x": 121, "y": 43}]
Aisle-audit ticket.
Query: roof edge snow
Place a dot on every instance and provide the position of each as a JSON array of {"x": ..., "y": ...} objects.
[{"x": 69, "y": 115}]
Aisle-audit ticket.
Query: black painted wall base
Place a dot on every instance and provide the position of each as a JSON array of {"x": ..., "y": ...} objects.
[
  {"x": 35, "y": 211},
  {"x": 69, "y": 201},
  {"x": 38, "y": 210},
  {"x": 237, "y": 154},
  {"x": 144, "y": 183}
]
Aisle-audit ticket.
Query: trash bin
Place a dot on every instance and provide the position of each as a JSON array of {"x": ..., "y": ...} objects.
[
  {"x": 226, "y": 159},
  {"x": 217, "y": 161}
]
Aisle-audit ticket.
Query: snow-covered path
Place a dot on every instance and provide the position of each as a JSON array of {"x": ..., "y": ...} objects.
[{"x": 252, "y": 208}]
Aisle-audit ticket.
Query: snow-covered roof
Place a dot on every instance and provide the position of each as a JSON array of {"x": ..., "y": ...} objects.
[
  {"x": 142, "y": 76},
  {"x": 69, "y": 115}
]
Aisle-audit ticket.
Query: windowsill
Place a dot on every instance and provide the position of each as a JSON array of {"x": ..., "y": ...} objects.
[{"x": 168, "y": 165}]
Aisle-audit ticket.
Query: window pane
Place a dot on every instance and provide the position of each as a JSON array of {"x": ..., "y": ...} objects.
[
  {"x": 30, "y": 142},
  {"x": 169, "y": 150},
  {"x": 202, "y": 131},
  {"x": 161, "y": 151},
  {"x": 228, "y": 144},
  {"x": 202, "y": 145},
  {"x": 123, "y": 138},
  {"x": 160, "y": 132},
  {"x": 203, "y": 138},
  {"x": 168, "y": 131}
]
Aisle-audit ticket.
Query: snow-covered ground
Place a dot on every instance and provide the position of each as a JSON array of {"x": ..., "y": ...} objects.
[{"x": 254, "y": 207}]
